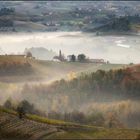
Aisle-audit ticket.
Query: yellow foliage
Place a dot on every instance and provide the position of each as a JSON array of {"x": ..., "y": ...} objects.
[{"x": 71, "y": 75}]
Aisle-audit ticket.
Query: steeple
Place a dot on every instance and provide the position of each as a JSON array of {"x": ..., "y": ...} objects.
[{"x": 60, "y": 55}]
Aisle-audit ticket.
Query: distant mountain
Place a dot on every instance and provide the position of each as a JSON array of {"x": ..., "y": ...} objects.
[{"x": 41, "y": 53}]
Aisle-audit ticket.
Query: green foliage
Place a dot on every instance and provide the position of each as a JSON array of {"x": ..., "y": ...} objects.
[
  {"x": 121, "y": 24},
  {"x": 73, "y": 58},
  {"x": 81, "y": 57},
  {"x": 59, "y": 123},
  {"x": 48, "y": 121},
  {"x": 6, "y": 11},
  {"x": 2, "y": 109},
  {"x": 27, "y": 107},
  {"x": 6, "y": 23},
  {"x": 98, "y": 134},
  {"x": 8, "y": 104}
]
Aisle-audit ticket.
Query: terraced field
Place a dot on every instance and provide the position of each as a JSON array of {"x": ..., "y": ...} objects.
[
  {"x": 31, "y": 128},
  {"x": 13, "y": 127}
]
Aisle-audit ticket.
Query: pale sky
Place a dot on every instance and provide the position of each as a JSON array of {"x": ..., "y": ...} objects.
[{"x": 117, "y": 49}]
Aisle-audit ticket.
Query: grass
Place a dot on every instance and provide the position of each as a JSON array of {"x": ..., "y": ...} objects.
[
  {"x": 48, "y": 121},
  {"x": 7, "y": 111},
  {"x": 68, "y": 130},
  {"x": 36, "y": 118},
  {"x": 59, "y": 123},
  {"x": 99, "y": 134}
]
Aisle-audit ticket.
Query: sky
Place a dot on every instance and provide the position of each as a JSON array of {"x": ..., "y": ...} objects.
[{"x": 116, "y": 49}]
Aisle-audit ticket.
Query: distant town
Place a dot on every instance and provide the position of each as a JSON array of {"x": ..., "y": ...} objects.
[{"x": 78, "y": 58}]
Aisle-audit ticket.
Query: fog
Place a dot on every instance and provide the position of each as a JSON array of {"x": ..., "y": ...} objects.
[
  {"x": 116, "y": 48},
  {"x": 126, "y": 110}
]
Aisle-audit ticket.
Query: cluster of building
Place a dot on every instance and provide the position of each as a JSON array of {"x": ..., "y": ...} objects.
[
  {"x": 61, "y": 58},
  {"x": 79, "y": 58}
]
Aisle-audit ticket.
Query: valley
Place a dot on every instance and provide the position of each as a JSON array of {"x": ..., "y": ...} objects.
[{"x": 69, "y": 70}]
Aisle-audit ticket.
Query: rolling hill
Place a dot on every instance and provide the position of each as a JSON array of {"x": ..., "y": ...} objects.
[
  {"x": 28, "y": 26},
  {"x": 65, "y": 16},
  {"x": 18, "y": 68},
  {"x": 13, "y": 128},
  {"x": 135, "y": 70},
  {"x": 35, "y": 127}
]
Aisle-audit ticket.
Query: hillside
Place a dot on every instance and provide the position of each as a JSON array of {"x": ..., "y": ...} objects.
[
  {"x": 28, "y": 26},
  {"x": 14, "y": 128},
  {"x": 122, "y": 25},
  {"x": 135, "y": 70},
  {"x": 14, "y": 65},
  {"x": 85, "y": 87},
  {"x": 123, "y": 82},
  {"x": 67, "y": 16},
  {"x": 17, "y": 68},
  {"x": 90, "y": 94}
]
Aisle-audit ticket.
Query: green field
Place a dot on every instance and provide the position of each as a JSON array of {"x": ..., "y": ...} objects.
[{"x": 98, "y": 134}]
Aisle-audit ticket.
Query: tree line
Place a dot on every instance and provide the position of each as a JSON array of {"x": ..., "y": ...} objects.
[
  {"x": 97, "y": 118},
  {"x": 114, "y": 82},
  {"x": 80, "y": 58},
  {"x": 6, "y": 11}
]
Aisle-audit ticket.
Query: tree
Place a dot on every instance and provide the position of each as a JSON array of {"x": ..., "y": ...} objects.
[
  {"x": 20, "y": 111},
  {"x": 28, "y": 54},
  {"x": 121, "y": 24},
  {"x": 28, "y": 108},
  {"x": 8, "y": 104},
  {"x": 73, "y": 58},
  {"x": 81, "y": 57}
]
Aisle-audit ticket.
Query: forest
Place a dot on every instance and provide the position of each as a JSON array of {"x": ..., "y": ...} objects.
[
  {"x": 113, "y": 82},
  {"x": 97, "y": 98}
]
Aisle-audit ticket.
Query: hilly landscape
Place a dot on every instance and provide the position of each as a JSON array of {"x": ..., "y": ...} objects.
[
  {"x": 69, "y": 70},
  {"x": 68, "y": 99},
  {"x": 35, "y": 127},
  {"x": 32, "y": 69},
  {"x": 69, "y": 16}
]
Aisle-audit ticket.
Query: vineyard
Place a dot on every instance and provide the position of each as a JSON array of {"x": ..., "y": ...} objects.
[
  {"x": 11, "y": 126},
  {"x": 33, "y": 127},
  {"x": 37, "y": 128}
]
